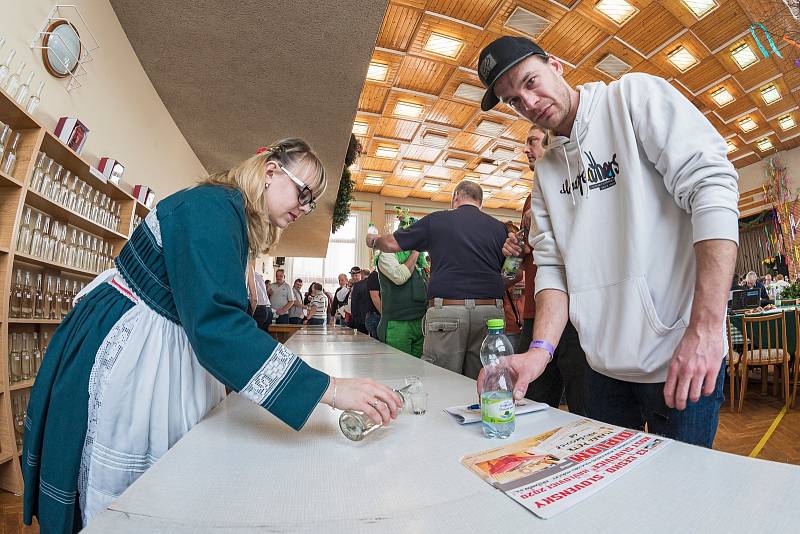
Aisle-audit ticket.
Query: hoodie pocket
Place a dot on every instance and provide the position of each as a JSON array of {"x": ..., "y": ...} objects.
[{"x": 621, "y": 331}]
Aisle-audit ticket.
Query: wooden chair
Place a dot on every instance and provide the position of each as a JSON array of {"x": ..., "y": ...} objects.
[
  {"x": 764, "y": 345},
  {"x": 733, "y": 362}
]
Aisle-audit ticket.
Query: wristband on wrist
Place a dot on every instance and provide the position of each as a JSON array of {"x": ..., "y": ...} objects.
[{"x": 542, "y": 344}]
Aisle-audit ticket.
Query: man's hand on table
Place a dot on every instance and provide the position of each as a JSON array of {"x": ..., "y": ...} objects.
[
  {"x": 524, "y": 369},
  {"x": 695, "y": 365}
]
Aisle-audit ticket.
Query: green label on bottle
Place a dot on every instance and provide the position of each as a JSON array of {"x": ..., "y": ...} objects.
[{"x": 497, "y": 410}]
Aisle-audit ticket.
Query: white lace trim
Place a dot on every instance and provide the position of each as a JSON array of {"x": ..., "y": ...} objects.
[
  {"x": 104, "y": 362},
  {"x": 155, "y": 227},
  {"x": 270, "y": 375}
]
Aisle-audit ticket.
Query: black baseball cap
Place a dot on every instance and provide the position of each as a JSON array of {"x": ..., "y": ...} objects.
[
  {"x": 497, "y": 58},
  {"x": 355, "y": 270}
]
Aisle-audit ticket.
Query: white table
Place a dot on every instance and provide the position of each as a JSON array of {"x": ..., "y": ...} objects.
[{"x": 241, "y": 470}]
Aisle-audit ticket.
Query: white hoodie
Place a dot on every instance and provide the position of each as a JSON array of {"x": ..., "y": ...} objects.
[{"x": 617, "y": 208}]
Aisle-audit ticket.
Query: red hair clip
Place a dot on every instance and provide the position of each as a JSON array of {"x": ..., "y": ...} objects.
[{"x": 261, "y": 150}]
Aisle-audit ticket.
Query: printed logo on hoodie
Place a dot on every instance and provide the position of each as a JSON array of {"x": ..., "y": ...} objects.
[{"x": 596, "y": 175}]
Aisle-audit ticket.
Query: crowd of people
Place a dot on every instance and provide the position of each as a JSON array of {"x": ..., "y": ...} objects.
[{"x": 771, "y": 287}]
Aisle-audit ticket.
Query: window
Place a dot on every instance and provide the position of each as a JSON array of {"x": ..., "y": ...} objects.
[{"x": 341, "y": 256}]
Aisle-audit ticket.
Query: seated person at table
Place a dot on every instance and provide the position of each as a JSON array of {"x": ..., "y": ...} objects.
[
  {"x": 751, "y": 282},
  {"x": 151, "y": 345}
]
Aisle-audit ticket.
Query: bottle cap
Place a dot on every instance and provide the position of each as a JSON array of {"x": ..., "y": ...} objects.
[{"x": 495, "y": 324}]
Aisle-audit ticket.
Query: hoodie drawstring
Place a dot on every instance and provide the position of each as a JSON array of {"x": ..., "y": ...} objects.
[{"x": 583, "y": 168}]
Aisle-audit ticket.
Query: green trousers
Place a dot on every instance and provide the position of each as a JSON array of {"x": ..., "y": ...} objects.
[{"x": 405, "y": 335}]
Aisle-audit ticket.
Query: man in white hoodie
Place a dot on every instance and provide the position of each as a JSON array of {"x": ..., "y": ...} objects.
[{"x": 635, "y": 236}]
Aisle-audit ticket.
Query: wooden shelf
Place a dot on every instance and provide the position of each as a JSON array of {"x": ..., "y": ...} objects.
[
  {"x": 25, "y": 384},
  {"x": 142, "y": 210},
  {"x": 7, "y": 457},
  {"x": 27, "y": 258},
  {"x": 35, "y": 200},
  {"x": 6, "y": 180},
  {"x": 4, "y": 250},
  {"x": 34, "y": 321},
  {"x": 15, "y": 116}
]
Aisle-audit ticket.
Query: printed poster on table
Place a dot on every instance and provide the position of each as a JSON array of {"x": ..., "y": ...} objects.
[{"x": 556, "y": 470}]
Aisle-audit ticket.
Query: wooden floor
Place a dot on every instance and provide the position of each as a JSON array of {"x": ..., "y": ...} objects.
[{"x": 737, "y": 434}]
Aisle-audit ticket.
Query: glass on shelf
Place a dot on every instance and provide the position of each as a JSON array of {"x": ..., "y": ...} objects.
[
  {"x": 21, "y": 95},
  {"x": 5, "y": 134},
  {"x": 10, "y": 161},
  {"x": 24, "y": 237},
  {"x": 16, "y": 296},
  {"x": 5, "y": 69},
  {"x": 38, "y": 302},
  {"x": 26, "y": 302},
  {"x": 15, "y": 358},
  {"x": 35, "y": 99},
  {"x": 14, "y": 80}
]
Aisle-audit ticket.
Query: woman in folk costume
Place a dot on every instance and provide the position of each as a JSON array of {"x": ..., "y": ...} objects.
[{"x": 150, "y": 345}]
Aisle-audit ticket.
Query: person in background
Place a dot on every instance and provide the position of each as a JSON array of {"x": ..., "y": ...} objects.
[
  {"x": 158, "y": 338},
  {"x": 373, "y": 317},
  {"x": 263, "y": 311},
  {"x": 465, "y": 288},
  {"x": 328, "y": 311},
  {"x": 280, "y": 295},
  {"x": 360, "y": 303},
  {"x": 779, "y": 285},
  {"x": 317, "y": 306},
  {"x": 297, "y": 308},
  {"x": 403, "y": 283},
  {"x": 751, "y": 281},
  {"x": 340, "y": 297}
]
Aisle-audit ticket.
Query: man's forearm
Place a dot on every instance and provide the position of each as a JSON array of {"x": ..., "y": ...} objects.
[
  {"x": 552, "y": 312},
  {"x": 716, "y": 261}
]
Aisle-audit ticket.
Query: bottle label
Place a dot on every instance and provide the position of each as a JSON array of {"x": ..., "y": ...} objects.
[{"x": 497, "y": 410}]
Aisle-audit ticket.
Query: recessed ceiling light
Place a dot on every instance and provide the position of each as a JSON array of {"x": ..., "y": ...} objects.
[
  {"x": 747, "y": 124},
  {"x": 431, "y": 187},
  {"x": 486, "y": 193},
  {"x": 454, "y": 162},
  {"x": 443, "y": 45},
  {"x": 731, "y": 146},
  {"x": 617, "y": 10},
  {"x": 612, "y": 66},
  {"x": 494, "y": 181},
  {"x": 513, "y": 173},
  {"x": 744, "y": 56},
  {"x": 407, "y": 109},
  {"x": 377, "y": 71},
  {"x": 700, "y": 8},
  {"x": 469, "y": 92},
  {"x": 764, "y": 144},
  {"x": 490, "y": 128},
  {"x": 411, "y": 172},
  {"x": 360, "y": 128},
  {"x": 435, "y": 139},
  {"x": 486, "y": 168},
  {"x": 386, "y": 151},
  {"x": 373, "y": 180},
  {"x": 501, "y": 152},
  {"x": 527, "y": 22},
  {"x": 770, "y": 94},
  {"x": 682, "y": 59},
  {"x": 786, "y": 122},
  {"x": 722, "y": 97},
  {"x": 520, "y": 190}
]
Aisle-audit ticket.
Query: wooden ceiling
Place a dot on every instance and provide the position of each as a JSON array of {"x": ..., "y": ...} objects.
[{"x": 419, "y": 115}]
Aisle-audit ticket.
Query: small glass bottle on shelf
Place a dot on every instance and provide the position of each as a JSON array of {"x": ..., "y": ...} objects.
[
  {"x": 65, "y": 300},
  {"x": 16, "y": 296},
  {"x": 50, "y": 180},
  {"x": 37, "y": 355},
  {"x": 95, "y": 206},
  {"x": 5, "y": 68},
  {"x": 49, "y": 312},
  {"x": 22, "y": 91},
  {"x": 10, "y": 161},
  {"x": 52, "y": 242},
  {"x": 24, "y": 238},
  {"x": 72, "y": 195},
  {"x": 58, "y": 298},
  {"x": 71, "y": 249},
  {"x": 5, "y": 133},
  {"x": 15, "y": 359},
  {"x": 79, "y": 198},
  {"x": 19, "y": 420},
  {"x": 63, "y": 193},
  {"x": 26, "y": 302},
  {"x": 55, "y": 187},
  {"x": 47, "y": 178},
  {"x": 14, "y": 80},
  {"x": 38, "y": 300},
  {"x": 35, "y": 99},
  {"x": 37, "y": 169},
  {"x": 36, "y": 239},
  {"x": 60, "y": 255},
  {"x": 26, "y": 357}
]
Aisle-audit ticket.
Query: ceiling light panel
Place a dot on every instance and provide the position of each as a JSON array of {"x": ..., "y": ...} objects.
[
  {"x": 408, "y": 110},
  {"x": 619, "y": 11},
  {"x": 443, "y": 45},
  {"x": 490, "y": 128},
  {"x": 377, "y": 71},
  {"x": 700, "y": 8},
  {"x": 469, "y": 92},
  {"x": 747, "y": 125},
  {"x": 612, "y": 66},
  {"x": 722, "y": 97},
  {"x": 682, "y": 59},
  {"x": 527, "y": 22},
  {"x": 744, "y": 56}
]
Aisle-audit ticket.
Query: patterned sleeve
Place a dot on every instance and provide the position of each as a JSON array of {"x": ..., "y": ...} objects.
[{"x": 205, "y": 250}]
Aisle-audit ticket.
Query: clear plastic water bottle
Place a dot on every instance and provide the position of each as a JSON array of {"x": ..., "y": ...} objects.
[{"x": 497, "y": 399}]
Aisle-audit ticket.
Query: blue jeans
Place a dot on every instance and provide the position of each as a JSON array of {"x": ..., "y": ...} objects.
[
  {"x": 282, "y": 319},
  {"x": 631, "y": 405},
  {"x": 371, "y": 322}
]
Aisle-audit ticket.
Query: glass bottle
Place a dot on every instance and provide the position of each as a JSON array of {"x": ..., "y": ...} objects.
[
  {"x": 79, "y": 198},
  {"x": 19, "y": 420},
  {"x": 39, "y": 173},
  {"x": 27, "y": 361},
  {"x": 357, "y": 425},
  {"x": 23, "y": 90},
  {"x": 37, "y": 354},
  {"x": 24, "y": 239},
  {"x": 38, "y": 168},
  {"x": 36, "y": 239},
  {"x": 49, "y": 185},
  {"x": 87, "y": 202},
  {"x": 10, "y": 161},
  {"x": 16, "y": 296},
  {"x": 45, "y": 342},
  {"x": 5, "y": 69},
  {"x": 35, "y": 99},
  {"x": 72, "y": 249},
  {"x": 95, "y": 205},
  {"x": 47, "y": 180},
  {"x": 14, "y": 80},
  {"x": 49, "y": 311},
  {"x": 58, "y": 298},
  {"x": 15, "y": 359},
  {"x": 26, "y": 302},
  {"x": 51, "y": 253},
  {"x": 63, "y": 250},
  {"x": 72, "y": 195},
  {"x": 95, "y": 255},
  {"x": 5, "y": 133},
  {"x": 45, "y": 246},
  {"x": 117, "y": 216},
  {"x": 63, "y": 193},
  {"x": 55, "y": 187},
  {"x": 38, "y": 302},
  {"x": 65, "y": 300}
]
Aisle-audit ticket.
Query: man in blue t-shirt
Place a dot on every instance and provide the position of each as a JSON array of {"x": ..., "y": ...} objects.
[{"x": 465, "y": 288}]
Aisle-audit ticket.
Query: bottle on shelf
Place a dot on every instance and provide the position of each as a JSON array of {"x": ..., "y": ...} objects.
[
  {"x": 50, "y": 180},
  {"x": 15, "y": 358},
  {"x": 71, "y": 249},
  {"x": 14, "y": 80},
  {"x": 35, "y": 99},
  {"x": 36, "y": 239},
  {"x": 37, "y": 169},
  {"x": 49, "y": 312},
  {"x": 5, "y": 133},
  {"x": 45, "y": 237},
  {"x": 26, "y": 357},
  {"x": 72, "y": 195},
  {"x": 24, "y": 237},
  {"x": 26, "y": 302},
  {"x": 38, "y": 299},
  {"x": 55, "y": 187},
  {"x": 5, "y": 68},
  {"x": 16, "y": 296},
  {"x": 52, "y": 243},
  {"x": 95, "y": 205},
  {"x": 65, "y": 300},
  {"x": 20, "y": 411},
  {"x": 22, "y": 91},
  {"x": 60, "y": 253},
  {"x": 63, "y": 194},
  {"x": 10, "y": 158},
  {"x": 37, "y": 354},
  {"x": 58, "y": 299}
]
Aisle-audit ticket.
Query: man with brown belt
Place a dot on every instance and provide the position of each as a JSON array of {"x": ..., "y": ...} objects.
[{"x": 465, "y": 288}]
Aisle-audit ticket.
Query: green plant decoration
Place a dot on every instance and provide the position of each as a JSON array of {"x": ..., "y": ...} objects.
[{"x": 341, "y": 210}]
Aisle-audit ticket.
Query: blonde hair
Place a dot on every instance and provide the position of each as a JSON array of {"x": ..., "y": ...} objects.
[{"x": 249, "y": 178}]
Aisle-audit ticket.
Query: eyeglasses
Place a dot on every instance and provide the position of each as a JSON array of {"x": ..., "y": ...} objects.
[{"x": 306, "y": 197}]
